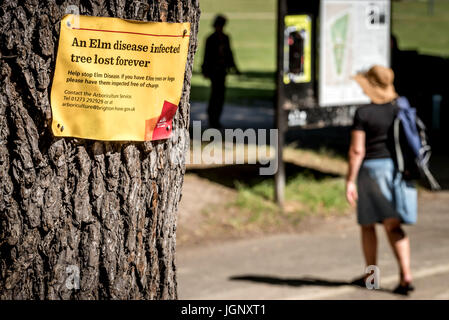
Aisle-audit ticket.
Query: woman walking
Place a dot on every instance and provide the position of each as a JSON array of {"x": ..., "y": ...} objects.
[{"x": 381, "y": 195}]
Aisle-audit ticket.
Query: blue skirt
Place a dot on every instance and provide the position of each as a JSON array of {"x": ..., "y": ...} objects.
[{"x": 384, "y": 194}]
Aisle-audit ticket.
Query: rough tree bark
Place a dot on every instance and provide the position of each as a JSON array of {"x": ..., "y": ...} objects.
[{"x": 107, "y": 208}]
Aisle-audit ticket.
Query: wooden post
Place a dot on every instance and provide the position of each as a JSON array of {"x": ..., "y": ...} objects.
[
  {"x": 279, "y": 178},
  {"x": 281, "y": 124}
]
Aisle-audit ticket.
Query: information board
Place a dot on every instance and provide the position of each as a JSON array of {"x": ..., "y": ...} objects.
[{"x": 354, "y": 35}]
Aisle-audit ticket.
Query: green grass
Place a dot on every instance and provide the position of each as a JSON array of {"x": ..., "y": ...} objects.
[
  {"x": 326, "y": 195},
  {"x": 417, "y": 30},
  {"x": 247, "y": 89},
  {"x": 304, "y": 195},
  {"x": 252, "y": 28}
]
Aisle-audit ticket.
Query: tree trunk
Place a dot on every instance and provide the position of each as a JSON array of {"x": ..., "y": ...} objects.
[{"x": 107, "y": 209}]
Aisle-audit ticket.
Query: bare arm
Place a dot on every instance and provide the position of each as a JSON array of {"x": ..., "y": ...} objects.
[{"x": 356, "y": 155}]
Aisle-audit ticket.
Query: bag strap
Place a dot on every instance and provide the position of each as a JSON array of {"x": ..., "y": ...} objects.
[
  {"x": 397, "y": 145},
  {"x": 432, "y": 181}
]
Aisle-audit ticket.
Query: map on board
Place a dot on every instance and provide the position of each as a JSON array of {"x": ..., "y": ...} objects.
[{"x": 354, "y": 35}]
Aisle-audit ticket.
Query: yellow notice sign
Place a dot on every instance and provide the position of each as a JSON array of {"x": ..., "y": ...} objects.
[
  {"x": 297, "y": 49},
  {"x": 118, "y": 79}
]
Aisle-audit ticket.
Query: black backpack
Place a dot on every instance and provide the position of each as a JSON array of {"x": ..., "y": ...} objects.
[{"x": 412, "y": 151}]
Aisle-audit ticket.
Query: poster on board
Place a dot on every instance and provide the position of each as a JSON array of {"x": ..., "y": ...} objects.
[
  {"x": 354, "y": 35},
  {"x": 118, "y": 79},
  {"x": 297, "y": 49}
]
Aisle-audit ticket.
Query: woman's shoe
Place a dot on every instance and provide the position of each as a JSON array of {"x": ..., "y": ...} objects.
[{"x": 404, "y": 289}]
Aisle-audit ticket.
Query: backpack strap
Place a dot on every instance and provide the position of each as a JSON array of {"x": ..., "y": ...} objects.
[
  {"x": 397, "y": 145},
  {"x": 432, "y": 181},
  {"x": 425, "y": 151}
]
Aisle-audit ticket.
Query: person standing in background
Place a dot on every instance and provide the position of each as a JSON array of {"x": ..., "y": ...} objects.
[
  {"x": 218, "y": 61},
  {"x": 381, "y": 195}
]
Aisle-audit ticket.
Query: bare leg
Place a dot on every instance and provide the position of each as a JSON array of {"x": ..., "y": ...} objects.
[
  {"x": 369, "y": 244},
  {"x": 401, "y": 248}
]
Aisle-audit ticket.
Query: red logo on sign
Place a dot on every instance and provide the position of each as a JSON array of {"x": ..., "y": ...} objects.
[{"x": 163, "y": 127}]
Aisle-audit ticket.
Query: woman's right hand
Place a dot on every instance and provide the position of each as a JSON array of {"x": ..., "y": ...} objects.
[{"x": 351, "y": 193}]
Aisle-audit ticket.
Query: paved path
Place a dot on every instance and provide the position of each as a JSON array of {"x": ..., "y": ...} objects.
[{"x": 316, "y": 264}]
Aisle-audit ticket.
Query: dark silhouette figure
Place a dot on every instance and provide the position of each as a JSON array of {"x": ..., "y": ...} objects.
[{"x": 218, "y": 61}]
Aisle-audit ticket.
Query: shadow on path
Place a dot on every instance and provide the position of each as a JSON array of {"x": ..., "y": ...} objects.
[
  {"x": 249, "y": 175},
  {"x": 299, "y": 282}
]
